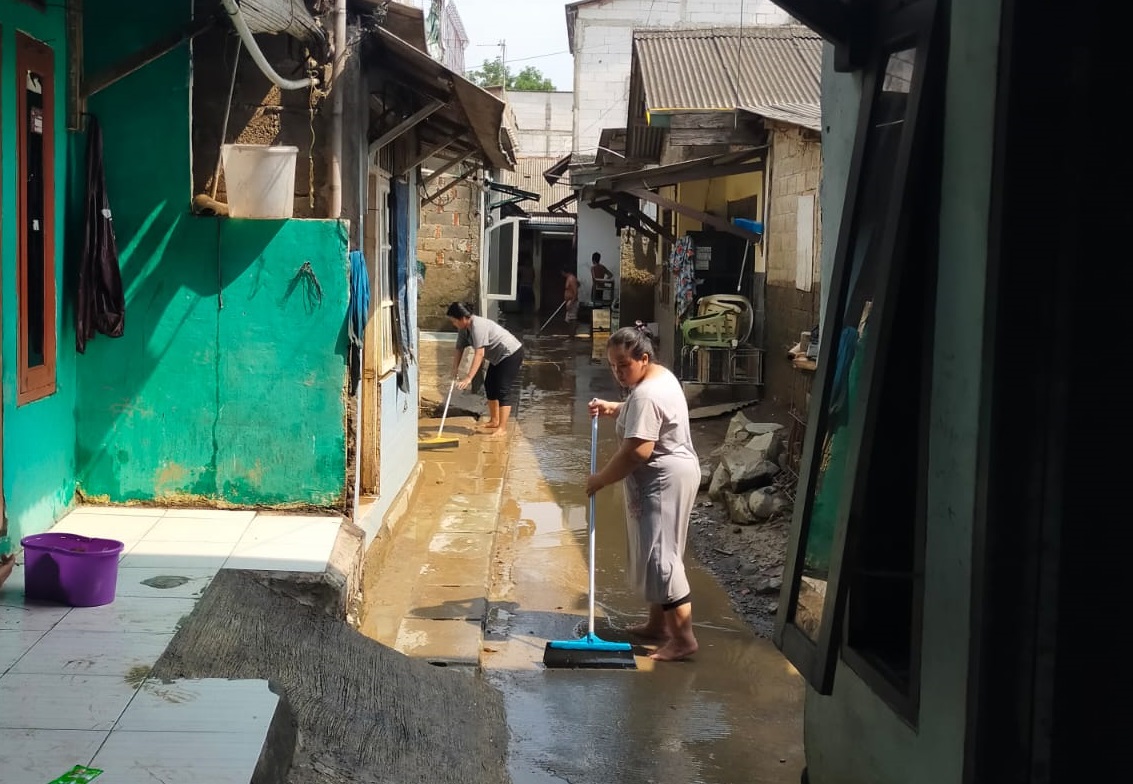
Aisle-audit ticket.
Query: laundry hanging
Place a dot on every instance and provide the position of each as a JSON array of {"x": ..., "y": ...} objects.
[
  {"x": 358, "y": 312},
  {"x": 100, "y": 301},
  {"x": 359, "y": 298},
  {"x": 682, "y": 266}
]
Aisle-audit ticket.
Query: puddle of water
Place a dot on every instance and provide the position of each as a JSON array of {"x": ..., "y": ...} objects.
[{"x": 165, "y": 582}]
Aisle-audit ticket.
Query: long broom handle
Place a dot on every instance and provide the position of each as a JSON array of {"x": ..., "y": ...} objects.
[
  {"x": 444, "y": 415},
  {"x": 552, "y": 318},
  {"x": 593, "y": 512}
]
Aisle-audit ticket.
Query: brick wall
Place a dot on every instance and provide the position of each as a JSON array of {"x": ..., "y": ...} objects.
[
  {"x": 796, "y": 168},
  {"x": 448, "y": 243}
]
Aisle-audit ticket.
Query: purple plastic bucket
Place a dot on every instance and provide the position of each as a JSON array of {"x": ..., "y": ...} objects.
[{"x": 70, "y": 569}]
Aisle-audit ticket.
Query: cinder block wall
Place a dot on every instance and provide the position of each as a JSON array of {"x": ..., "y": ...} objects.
[
  {"x": 796, "y": 168},
  {"x": 603, "y": 44},
  {"x": 448, "y": 244}
]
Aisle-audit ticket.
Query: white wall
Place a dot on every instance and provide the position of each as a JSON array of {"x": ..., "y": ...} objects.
[
  {"x": 603, "y": 43},
  {"x": 544, "y": 122},
  {"x": 596, "y": 233}
]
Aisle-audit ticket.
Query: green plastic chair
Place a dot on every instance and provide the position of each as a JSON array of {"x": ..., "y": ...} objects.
[{"x": 721, "y": 321}]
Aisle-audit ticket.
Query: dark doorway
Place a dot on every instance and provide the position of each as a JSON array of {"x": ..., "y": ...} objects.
[{"x": 558, "y": 255}]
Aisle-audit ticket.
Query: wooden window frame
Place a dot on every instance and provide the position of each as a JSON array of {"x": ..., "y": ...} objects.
[
  {"x": 36, "y": 383},
  {"x": 384, "y": 283},
  {"x": 907, "y": 27}
]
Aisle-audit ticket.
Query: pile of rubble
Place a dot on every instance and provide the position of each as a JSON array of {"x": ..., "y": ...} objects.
[{"x": 745, "y": 473}]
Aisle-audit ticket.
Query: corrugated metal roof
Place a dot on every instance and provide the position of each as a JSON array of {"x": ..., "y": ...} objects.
[{"x": 722, "y": 69}]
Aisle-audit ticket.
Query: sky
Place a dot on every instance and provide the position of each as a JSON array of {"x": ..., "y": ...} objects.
[{"x": 535, "y": 32}]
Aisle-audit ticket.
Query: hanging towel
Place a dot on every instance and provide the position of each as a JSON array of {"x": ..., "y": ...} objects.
[
  {"x": 359, "y": 298},
  {"x": 101, "y": 303}
]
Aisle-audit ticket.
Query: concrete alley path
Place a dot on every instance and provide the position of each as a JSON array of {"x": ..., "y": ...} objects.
[{"x": 491, "y": 563}]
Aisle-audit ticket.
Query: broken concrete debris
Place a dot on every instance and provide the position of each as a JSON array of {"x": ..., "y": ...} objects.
[{"x": 745, "y": 475}]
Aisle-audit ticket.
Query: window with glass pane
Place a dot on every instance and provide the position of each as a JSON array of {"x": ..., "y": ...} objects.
[
  {"x": 503, "y": 260},
  {"x": 36, "y": 223},
  {"x": 867, "y": 410}
]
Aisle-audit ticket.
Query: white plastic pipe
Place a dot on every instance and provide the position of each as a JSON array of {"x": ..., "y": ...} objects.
[{"x": 257, "y": 54}]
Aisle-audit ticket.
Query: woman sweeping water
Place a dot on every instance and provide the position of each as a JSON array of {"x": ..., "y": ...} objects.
[
  {"x": 500, "y": 349},
  {"x": 658, "y": 466}
]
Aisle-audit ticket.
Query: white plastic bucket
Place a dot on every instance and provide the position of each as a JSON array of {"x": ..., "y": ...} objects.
[{"x": 259, "y": 180}]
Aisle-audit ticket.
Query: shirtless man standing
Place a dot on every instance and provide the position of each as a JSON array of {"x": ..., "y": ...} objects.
[{"x": 570, "y": 297}]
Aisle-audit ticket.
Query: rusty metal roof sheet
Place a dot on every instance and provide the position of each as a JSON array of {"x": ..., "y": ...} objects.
[{"x": 723, "y": 69}]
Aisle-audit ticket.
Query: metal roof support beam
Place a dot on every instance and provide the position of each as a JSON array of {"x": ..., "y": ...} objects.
[
  {"x": 674, "y": 174},
  {"x": 430, "y": 152},
  {"x": 648, "y": 223},
  {"x": 448, "y": 167},
  {"x": 561, "y": 204},
  {"x": 433, "y": 197},
  {"x": 406, "y": 125},
  {"x": 716, "y": 222}
]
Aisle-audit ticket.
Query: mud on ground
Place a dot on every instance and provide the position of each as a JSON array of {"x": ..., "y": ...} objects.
[
  {"x": 746, "y": 560},
  {"x": 365, "y": 714}
]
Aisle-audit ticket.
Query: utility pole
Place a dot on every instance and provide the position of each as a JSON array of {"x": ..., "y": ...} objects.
[{"x": 503, "y": 63}]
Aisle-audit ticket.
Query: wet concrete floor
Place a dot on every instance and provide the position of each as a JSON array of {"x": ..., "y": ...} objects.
[
  {"x": 732, "y": 714},
  {"x": 489, "y": 563}
]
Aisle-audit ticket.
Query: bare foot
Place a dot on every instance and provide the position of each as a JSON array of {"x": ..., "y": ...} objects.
[
  {"x": 647, "y": 631},
  {"x": 675, "y": 650},
  {"x": 490, "y": 426}
]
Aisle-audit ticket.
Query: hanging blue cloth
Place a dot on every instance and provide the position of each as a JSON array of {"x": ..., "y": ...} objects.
[{"x": 359, "y": 298}]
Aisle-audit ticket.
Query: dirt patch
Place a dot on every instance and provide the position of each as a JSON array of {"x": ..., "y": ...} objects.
[{"x": 747, "y": 560}]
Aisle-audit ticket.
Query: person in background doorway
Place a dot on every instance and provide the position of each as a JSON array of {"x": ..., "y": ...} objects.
[
  {"x": 660, "y": 473},
  {"x": 570, "y": 297},
  {"x": 503, "y": 353},
  {"x": 602, "y": 280}
]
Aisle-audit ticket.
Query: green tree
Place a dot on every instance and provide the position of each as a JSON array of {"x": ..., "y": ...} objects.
[{"x": 494, "y": 73}]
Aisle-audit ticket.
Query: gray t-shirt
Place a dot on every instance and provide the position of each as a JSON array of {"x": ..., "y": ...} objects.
[
  {"x": 497, "y": 342},
  {"x": 656, "y": 410}
]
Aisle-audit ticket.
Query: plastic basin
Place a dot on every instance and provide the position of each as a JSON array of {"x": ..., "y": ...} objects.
[{"x": 78, "y": 571}]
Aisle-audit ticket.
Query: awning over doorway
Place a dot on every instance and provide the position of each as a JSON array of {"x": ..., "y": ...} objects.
[
  {"x": 707, "y": 168},
  {"x": 620, "y": 194},
  {"x": 452, "y": 116}
]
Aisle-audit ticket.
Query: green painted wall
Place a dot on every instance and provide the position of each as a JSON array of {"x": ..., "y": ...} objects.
[
  {"x": 227, "y": 386},
  {"x": 38, "y": 448},
  {"x": 852, "y": 737}
]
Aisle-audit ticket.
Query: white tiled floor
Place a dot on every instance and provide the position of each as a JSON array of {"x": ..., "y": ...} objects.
[{"x": 73, "y": 684}]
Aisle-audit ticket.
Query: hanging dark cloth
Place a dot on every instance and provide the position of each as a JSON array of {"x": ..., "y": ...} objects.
[
  {"x": 400, "y": 253},
  {"x": 101, "y": 305}
]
